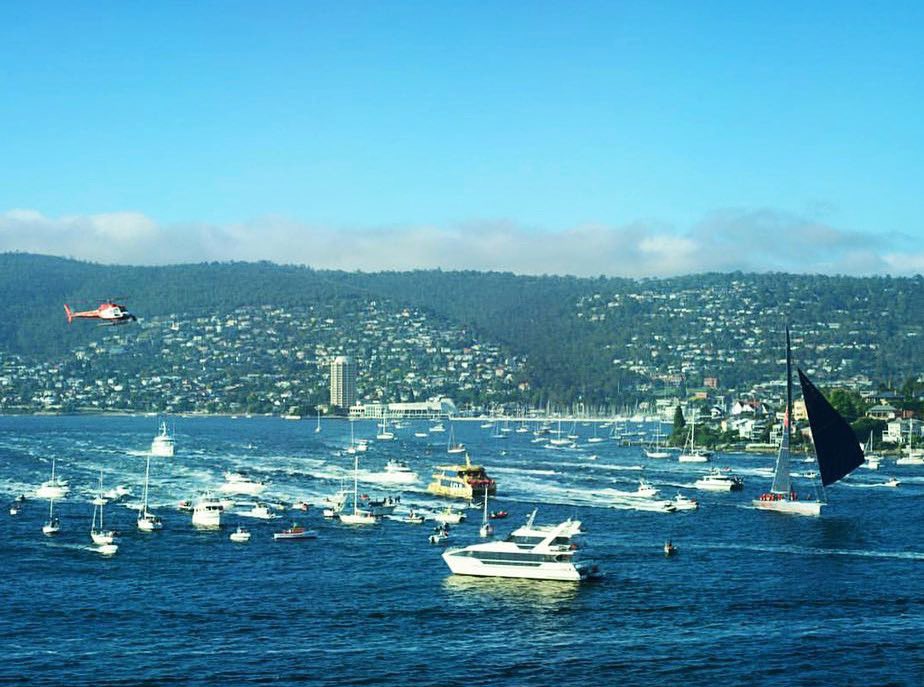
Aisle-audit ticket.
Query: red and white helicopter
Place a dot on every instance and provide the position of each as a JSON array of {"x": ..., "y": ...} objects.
[{"x": 110, "y": 313}]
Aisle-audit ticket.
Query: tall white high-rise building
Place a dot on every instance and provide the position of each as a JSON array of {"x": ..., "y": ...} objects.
[{"x": 342, "y": 381}]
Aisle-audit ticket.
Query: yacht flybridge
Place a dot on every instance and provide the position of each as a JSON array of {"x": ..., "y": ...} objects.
[{"x": 537, "y": 552}]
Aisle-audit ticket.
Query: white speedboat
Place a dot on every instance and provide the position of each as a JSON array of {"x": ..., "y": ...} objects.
[
  {"x": 440, "y": 536},
  {"x": 241, "y": 483},
  {"x": 207, "y": 512},
  {"x": 163, "y": 443},
  {"x": 682, "y": 502},
  {"x": 646, "y": 490},
  {"x": 531, "y": 551},
  {"x": 258, "y": 511},
  {"x": 240, "y": 535},
  {"x": 55, "y": 488},
  {"x": 414, "y": 518},
  {"x": 719, "y": 480},
  {"x": 891, "y": 483},
  {"x": 398, "y": 472},
  {"x": 118, "y": 492},
  {"x": 106, "y": 549},
  {"x": 449, "y": 516}
]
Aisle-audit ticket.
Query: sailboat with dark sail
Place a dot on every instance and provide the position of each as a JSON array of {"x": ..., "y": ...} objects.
[{"x": 836, "y": 449}]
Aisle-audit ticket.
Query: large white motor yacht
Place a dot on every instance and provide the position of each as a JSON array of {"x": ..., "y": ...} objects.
[
  {"x": 538, "y": 552},
  {"x": 163, "y": 444},
  {"x": 207, "y": 512}
]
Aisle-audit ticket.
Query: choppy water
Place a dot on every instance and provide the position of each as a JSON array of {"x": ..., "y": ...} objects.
[{"x": 751, "y": 597}]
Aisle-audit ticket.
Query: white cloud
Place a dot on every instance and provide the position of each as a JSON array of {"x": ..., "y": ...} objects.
[{"x": 748, "y": 240}]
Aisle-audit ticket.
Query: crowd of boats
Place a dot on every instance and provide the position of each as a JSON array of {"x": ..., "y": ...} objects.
[{"x": 530, "y": 551}]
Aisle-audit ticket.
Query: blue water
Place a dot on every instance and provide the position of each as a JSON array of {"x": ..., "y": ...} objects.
[{"x": 751, "y": 596}]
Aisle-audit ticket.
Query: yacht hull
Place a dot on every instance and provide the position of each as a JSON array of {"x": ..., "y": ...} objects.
[
  {"x": 560, "y": 572},
  {"x": 809, "y": 508}
]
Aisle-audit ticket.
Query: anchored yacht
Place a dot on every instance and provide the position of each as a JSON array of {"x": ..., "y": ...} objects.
[
  {"x": 538, "y": 552},
  {"x": 163, "y": 444}
]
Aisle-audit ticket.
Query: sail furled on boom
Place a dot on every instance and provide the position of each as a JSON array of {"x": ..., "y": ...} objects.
[{"x": 836, "y": 445}]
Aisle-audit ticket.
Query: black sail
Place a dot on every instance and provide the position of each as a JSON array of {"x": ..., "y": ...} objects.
[{"x": 836, "y": 446}]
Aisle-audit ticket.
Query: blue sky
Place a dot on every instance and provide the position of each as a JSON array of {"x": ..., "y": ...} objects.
[{"x": 271, "y": 129}]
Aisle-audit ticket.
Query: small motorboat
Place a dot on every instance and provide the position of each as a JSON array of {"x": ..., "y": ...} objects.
[
  {"x": 241, "y": 534},
  {"x": 295, "y": 532},
  {"x": 440, "y": 536},
  {"x": 449, "y": 516},
  {"x": 106, "y": 549},
  {"x": 498, "y": 514},
  {"x": 414, "y": 518},
  {"x": 258, "y": 511},
  {"x": 891, "y": 483},
  {"x": 301, "y": 505},
  {"x": 669, "y": 548},
  {"x": 185, "y": 505},
  {"x": 14, "y": 508}
]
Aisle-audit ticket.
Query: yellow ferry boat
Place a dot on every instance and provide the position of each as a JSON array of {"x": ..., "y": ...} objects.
[{"x": 461, "y": 481}]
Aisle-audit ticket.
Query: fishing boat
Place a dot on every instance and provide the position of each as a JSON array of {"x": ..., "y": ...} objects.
[
  {"x": 461, "y": 481},
  {"x": 836, "y": 449},
  {"x": 147, "y": 521},
  {"x": 163, "y": 443},
  {"x": 295, "y": 532},
  {"x": 99, "y": 535}
]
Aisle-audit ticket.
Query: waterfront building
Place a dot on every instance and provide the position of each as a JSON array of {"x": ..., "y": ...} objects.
[{"x": 342, "y": 381}]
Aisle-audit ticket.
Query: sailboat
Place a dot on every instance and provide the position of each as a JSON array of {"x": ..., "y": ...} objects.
[
  {"x": 690, "y": 453},
  {"x": 657, "y": 451},
  {"x": 147, "y": 521},
  {"x": 487, "y": 529},
  {"x": 55, "y": 488},
  {"x": 559, "y": 439},
  {"x": 317, "y": 429},
  {"x": 595, "y": 439},
  {"x": 351, "y": 449},
  {"x": 357, "y": 517},
  {"x": 452, "y": 446},
  {"x": 100, "y": 536},
  {"x": 52, "y": 526},
  {"x": 384, "y": 434},
  {"x": 836, "y": 449}
]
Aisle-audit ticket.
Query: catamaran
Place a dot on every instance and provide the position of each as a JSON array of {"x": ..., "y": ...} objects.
[{"x": 836, "y": 449}]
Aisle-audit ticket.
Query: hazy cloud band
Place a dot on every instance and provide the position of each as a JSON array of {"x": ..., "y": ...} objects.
[{"x": 747, "y": 240}]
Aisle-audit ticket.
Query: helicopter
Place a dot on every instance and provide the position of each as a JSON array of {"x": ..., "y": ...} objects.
[{"x": 110, "y": 313}]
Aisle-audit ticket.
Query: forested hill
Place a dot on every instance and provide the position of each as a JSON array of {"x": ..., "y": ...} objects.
[{"x": 590, "y": 338}]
